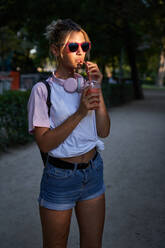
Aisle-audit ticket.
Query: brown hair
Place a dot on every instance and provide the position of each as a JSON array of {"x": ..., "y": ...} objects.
[{"x": 58, "y": 32}]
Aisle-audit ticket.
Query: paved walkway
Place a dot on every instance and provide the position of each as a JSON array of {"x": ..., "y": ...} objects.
[{"x": 134, "y": 174}]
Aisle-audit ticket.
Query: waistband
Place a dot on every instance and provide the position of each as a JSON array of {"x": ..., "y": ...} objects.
[{"x": 66, "y": 165}]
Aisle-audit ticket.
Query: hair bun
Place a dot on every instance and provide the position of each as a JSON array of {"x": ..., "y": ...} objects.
[
  {"x": 50, "y": 29},
  {"x": 55, "y": 29}
]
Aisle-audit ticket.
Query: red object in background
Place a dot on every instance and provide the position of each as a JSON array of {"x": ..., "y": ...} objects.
[{"x": 15, "y": 75}]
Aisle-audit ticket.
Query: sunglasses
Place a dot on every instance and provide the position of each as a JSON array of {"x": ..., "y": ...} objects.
[{"x": 73, "y": 46}]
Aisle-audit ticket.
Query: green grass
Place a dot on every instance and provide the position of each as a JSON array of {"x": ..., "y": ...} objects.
[{"x": 152, "y": 87}]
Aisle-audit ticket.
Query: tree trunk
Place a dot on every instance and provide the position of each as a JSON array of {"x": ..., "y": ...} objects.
[
  {"x": 161, "y": 70},
  {"x": 131, "y": 53},
  {"x": 113, "y": 67},
  {"x": 102, "y": 66}
]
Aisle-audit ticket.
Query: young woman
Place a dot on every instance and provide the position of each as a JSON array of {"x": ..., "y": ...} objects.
[{"x": 73, "y": 175}]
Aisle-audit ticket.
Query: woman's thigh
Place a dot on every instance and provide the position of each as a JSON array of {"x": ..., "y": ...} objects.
[
  {"x": 55, "y": 227},
  {"x": 90, "y": 216}
]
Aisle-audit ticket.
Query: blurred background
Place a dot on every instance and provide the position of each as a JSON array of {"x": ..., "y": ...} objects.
[{"x": 127, "y": 37}]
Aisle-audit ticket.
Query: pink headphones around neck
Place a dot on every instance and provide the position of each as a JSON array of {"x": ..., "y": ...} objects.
[{"x": 72, "y": 85}]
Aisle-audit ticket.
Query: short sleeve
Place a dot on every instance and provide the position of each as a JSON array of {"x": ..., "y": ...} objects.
[{"x": 37, "y": 107}]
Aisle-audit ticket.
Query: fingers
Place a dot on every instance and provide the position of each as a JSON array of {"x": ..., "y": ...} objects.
[
  {"x": 91, "y": 65},
  {"x": 85, "y": 91},
  {"x": 92, "y": 104},
  {"x": 93, "y": 71},
  {"x": 90, "y": 100},
  {"x": 89, "y": 92}
]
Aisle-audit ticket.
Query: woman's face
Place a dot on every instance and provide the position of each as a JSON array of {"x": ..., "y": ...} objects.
[{"x": 70, "y": 60}]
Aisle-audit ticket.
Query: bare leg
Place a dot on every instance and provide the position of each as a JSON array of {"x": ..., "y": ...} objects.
[
  {"x": 55, "y": 227},
  {"x": 90, "y": 216}
]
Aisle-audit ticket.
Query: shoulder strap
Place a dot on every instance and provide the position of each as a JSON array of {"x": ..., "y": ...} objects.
[{"x": 48, "y": 102}]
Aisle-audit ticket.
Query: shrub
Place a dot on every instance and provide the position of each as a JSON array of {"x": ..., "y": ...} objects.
[
  {"x": 117, "y": 94},
  {"x": 13, "y": 118}
]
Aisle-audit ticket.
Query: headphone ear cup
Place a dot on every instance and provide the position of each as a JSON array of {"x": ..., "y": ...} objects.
[{"x": 70, "y": 85}]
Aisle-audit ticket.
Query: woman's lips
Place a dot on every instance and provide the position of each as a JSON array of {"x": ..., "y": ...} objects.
[{"x": 80, "y": 61}]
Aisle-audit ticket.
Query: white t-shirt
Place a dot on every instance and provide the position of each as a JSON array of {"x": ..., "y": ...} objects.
[{"x": 82, "y": 139}]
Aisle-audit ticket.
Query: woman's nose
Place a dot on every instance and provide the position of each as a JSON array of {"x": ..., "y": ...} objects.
[{"x": 79, "y": 50}]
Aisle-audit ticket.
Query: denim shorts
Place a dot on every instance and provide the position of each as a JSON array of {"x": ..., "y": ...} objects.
[{"x": 61, "y": 189}]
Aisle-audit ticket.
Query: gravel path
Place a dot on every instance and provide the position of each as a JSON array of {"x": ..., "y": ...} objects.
[{"x": 134, "y": 175}]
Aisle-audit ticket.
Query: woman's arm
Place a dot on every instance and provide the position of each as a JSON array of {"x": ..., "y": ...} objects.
[
  {"x": 102, "y": 116},
  {"x": 48, "y": 139},
  {"x": 102, "y": 119}
]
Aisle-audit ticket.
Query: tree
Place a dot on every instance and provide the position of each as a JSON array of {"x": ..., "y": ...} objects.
[
  {"x": 8, "y": 43},
  {"x": 117, "y": 29},
  {"x": 114, "y": 26},
  {"x": 161, "y": 70},
  {"x": 155, "y": 38}
]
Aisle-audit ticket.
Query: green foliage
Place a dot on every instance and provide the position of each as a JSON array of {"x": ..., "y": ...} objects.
[
  {"x": 15, "y": 47},
  {"x": 148, "y": 81},
  {"x": 135, "y": 26},
  {"x": 8, "y": 41},
  {"x": 13, "y": 118},
  {"x": 117, "y": 94}
]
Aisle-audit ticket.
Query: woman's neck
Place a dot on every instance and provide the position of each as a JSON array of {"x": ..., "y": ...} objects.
[{"x": 64, "y": 73}]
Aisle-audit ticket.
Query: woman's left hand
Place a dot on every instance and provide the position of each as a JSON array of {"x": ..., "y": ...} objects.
[{"x": 93, "y": 72}]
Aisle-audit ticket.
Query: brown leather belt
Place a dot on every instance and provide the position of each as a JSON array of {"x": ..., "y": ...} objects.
[{"x": 66, "y": 165}]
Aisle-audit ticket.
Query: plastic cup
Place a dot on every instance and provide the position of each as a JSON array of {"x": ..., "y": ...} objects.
[{"x": 94, "y": 88}]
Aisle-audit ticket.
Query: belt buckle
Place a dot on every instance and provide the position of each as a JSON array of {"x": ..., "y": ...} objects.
[{"x": 84, "y": 164}]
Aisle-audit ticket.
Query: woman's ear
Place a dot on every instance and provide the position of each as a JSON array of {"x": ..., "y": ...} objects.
[{"x": 55, "y": 50}]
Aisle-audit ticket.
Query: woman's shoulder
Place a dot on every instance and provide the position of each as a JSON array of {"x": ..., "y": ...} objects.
[
  {"x": 40, "y": 89},
  {"x": 39, "y": 86}
]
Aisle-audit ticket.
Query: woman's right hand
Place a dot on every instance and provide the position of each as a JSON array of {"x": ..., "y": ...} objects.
[{"x": 89, "y": 101}]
